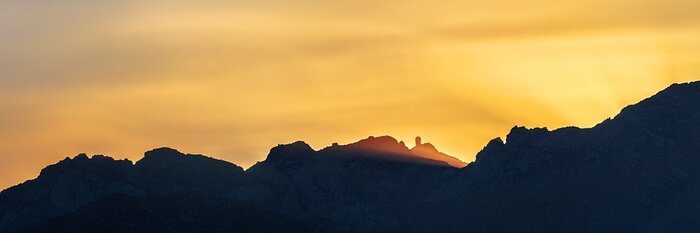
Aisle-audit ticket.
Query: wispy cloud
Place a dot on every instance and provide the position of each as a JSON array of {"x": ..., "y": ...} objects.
[{"x": 230, "y": 79}]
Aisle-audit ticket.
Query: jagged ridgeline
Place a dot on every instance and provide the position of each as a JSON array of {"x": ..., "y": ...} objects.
[{"x": 636, "y": 172}]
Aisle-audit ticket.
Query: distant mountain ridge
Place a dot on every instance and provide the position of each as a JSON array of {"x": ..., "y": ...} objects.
[
  {"x": 636, "y": 172},
  {"x": 72, "y": 183}
]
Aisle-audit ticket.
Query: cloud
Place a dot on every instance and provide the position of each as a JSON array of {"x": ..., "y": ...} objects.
[
  {"x": 576, "y": 18},
  {"x": 231, "y": 79}
]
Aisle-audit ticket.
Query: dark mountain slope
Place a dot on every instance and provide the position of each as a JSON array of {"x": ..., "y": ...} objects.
[
  {"x": 72, "y": 183},
  {"x": 624, "y": 175},
  {"x": 64, "y": 187},
  {"x": 428, "y": 151},
  {"x": 359, "y": 187},
  {"x": 179, "y": 213},
  {"x": 338, "y": 182}
]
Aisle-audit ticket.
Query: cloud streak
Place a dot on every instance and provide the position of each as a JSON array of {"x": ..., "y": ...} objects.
[{"x": 232, "y": 79}]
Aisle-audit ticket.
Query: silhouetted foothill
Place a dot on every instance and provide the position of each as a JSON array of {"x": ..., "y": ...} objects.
[
  {"x": 521, "y": 134},
  {"x": 163, "y": 152},
  {"x": 428, "y": 151},
  {"x": 383, "y": 144},
  {"x": 294, "y": 151},
  {"x": 98, "y": 163},
  {"x": 636, "y": 172},
  {"x": 169, "y": 160}
]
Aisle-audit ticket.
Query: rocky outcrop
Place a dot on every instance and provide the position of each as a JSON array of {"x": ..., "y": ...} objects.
[{"x": 428, "y": 151}]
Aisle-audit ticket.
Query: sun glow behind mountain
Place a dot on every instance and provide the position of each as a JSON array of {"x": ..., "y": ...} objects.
[{"x": 232, "y": 79}]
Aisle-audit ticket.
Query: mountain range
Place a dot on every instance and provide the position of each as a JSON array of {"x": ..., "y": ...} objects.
[{"x": 636, "y": 172}]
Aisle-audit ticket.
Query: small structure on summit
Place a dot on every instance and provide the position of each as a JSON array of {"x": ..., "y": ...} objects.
[{"x": 428, "y": 151}]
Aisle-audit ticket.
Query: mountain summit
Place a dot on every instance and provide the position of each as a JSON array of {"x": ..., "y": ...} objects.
[
  {"x": 428, "y": 151},
  {"x": 635, "y": 172}
]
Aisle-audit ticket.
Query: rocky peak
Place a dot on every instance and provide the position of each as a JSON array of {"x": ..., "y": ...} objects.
[
  {"x": 81, "y": 156},
  {"x": 293, "y": 151},
  {"x": 494, "y": 145},
  {"x": 382, "y": 144},
  {"x": 428, "y": 151},
  {"x": 168, "y": 160},
  {"x": 81, "y": 162},
  {"x": 425, "y": 147},
  {"x": 675, "y": 105},
  {"x": 520, "y": 134},
  {"x": 163, "y": 152}
]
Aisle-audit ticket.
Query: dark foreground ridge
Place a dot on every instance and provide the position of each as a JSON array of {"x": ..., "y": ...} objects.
[{"x": 637, "y": 172}]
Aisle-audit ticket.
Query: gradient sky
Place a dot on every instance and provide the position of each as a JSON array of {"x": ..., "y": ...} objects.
[{"x": 231, "y": 79}]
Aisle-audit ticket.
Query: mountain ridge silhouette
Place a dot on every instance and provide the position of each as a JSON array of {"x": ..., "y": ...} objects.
[{"x": 633, "y": 172}]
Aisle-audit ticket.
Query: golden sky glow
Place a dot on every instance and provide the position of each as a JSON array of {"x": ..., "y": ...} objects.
[{"x": 231, "y": 79}]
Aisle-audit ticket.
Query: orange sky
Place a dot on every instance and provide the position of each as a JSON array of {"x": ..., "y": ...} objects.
[{"x": 231, "y": 79}]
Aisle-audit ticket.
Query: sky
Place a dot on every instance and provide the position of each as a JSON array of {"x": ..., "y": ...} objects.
[{"x": 231, "y": 79}]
